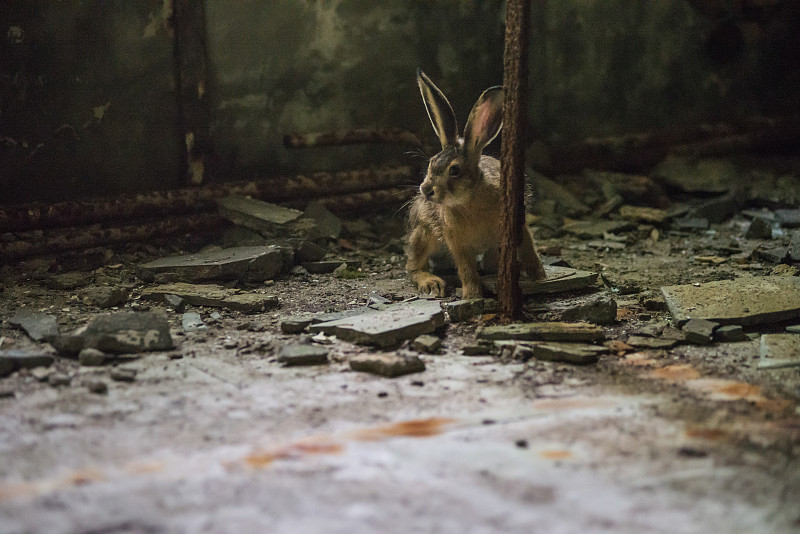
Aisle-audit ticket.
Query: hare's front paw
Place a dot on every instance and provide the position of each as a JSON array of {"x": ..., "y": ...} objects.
[{"x": 431, "y": 285}]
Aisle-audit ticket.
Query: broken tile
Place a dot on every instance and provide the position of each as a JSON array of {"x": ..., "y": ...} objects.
[
  {"x": 601, "y": 309},
  {"x": 559, "y": 279},
  {"x": 777, "y": 351},
  {"x": 387, "y": 364},
  {"x": 567, "y": 353},
  {"x": 39, "y": 326},
  {"x": 214, "y": 296},
  {"x": 256, "y": 214},
  {"x": 192, "y": 322},
  {"x": 744, "y": 301},
  {"x": 128, "y": 332},
  {"x": 657, "y": 343},
  {"x": 597, "y": 229},
  {"x": 699, "y": 331},
  {"x": 461, "y": 310},
  {"x": 643, "y": 214},
  {"x": 12, "y": 359},
  {"x": 294, "y": 325},
  {"x": 92, "y": 357},
  {"x": 329, "y": 224},
  {"x": 427, "y": 343},
  {"x": 250, "y": 264},
  {"x": 296, "y": 354},
  {"x": 543, "y": 332},
  {"x": 329, "y": 266},
  {"x": 729, "y": 333},
  {"x": 711, "y": 175},
  {"x": 388, "y": 327}
]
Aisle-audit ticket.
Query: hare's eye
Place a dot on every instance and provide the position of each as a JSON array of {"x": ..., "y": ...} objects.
[{"x": 455, "y": 169}]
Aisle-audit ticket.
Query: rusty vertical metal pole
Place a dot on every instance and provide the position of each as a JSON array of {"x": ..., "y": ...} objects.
[{"x": 512, "y": 155}]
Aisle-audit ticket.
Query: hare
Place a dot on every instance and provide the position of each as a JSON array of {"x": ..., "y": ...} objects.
[{"x": 459, "y": 201}]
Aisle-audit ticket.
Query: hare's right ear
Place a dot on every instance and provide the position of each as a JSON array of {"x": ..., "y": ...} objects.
[{"x": 439, "y": 110}]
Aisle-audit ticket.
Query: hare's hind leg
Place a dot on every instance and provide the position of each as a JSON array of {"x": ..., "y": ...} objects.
[
  {"x": 530, "y": 259},
  {"x": 421, "y": 244}
]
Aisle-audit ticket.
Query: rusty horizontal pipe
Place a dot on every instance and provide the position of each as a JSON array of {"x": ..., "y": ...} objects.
[{"x": 352, "y": 137}]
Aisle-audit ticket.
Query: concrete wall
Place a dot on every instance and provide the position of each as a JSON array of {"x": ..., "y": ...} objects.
[{"x": 87, "y": 89}]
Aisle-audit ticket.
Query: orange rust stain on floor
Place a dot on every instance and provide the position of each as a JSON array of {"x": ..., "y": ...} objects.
[
  {"x": 677, "y": 373},
  {"x": 295, "y": 450},
  {"x": 418, "y": 428},
  {"x": 711, "y": 434},
  {"x": 555, "y": 454}
]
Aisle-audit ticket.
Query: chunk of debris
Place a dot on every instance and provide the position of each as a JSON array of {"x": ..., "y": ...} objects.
[
  {"x": 427, "y": 343},
  {"x": 329, "y": 266},
  {"x": 306, "y": 250},
  {"x": 297, "y": 354},
  {"x": 711, "y": 175},
  {"x": 574, "y": 353},
  {"x": 250, "y": 264},
  {"x": 98, "y": 387},
  {"x": 771, "y": 252},
  {"x": 793, "y": 329},
  {"x": 192, "y": 322},
  {"x": 597, "y": 229},
  {"x": 387, "y": 364},
  {"x": 559, "y": 279},
  {"x": 92, "y": 357},
  {"x": 329, "y": 224},
  {"x": 59, "y": 380},
  {"x": 699, "y": 331},
  {"x": 778, "y": 351},
  {"x": 760, "y": 228},
  {"x": 481, "y": 348},
  {"x": 601, "y": 309},
  {"x": 730, "y": 333},
  {"x": 214, "y": 296},
  {"x": 13, "y": 359},
  {"x": 788, "y": 218},
  {"x": 104, "y": 297},
  {"x": 655, "y": 343},
  {"x": 543, "y": 332},
  {"x": 691, "y": 224},
  {"x": 722, "y": 208},
  {"x": 643, "y": 214},
  {"x": 256, "y": 214},
  {"x": 123, "y": 332},
  {"x": 123, "y": 374},
  {"x": 388, "y": 327},
  {"x": 744, "y": 301},
  {"x": 345, "y": 272},
  {"x": 175, "y": 302},
  {"x": 294, "y": 325},
  {"x": 39, "y": 326},
  {"x": 461, "y": 310},
  {"x": 67, "y": 281}
]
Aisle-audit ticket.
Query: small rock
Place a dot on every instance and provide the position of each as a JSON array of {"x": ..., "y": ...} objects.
[
  {"x": 699, "y": 331},
  {"x": 793, "y": 329},
  {"x": 123, "y": 374},
  {"x": 192, "y": 322},
  {"x": 760, "y": 228},
  {"x": 479, "y": 349},
  {"x": 39, "y": 326},
  {"x": 543, "y": 332},
  {"x": 794, "y": 246},
  {"x": 771, "y": 252},
  {"x": 41, "y": 374},
  {"x": 306, "y": 250},
  {"x": 729, "y": 333},
  {"x": 643, "y": 342},
  {"x": 96, "y": 386},
  {"x": 295, "y": 354},
  {"x": 721, "y": 208},
  {"x": 175, "y": 302},
  {"x": 690, "y": 224},
  {"x": 427, "y": 343},
  {"x": 643, "y": 214},
  {"x": 59, "y": 380},
  {"x": 387, "y": 364},
  {"x": 329, "y": 224},
  {"x": 11, "y": 360},
  {"x": 785, "y": 270},
  {"x": 710, "y": 175},
  {"x": 127, "y": 332},
  {"x": 92, "y": 357},
  {"x": 567, "y": 353},
  {"x": 294, "y": 325},
  {"x": 256, "y": 214},
  {"x": 330, "y": 266},
  {"x": 601, "y": 309},
  {"x": 104, "y": 297},
  {"x": 461, "y": 310},
  {"x": 522, "y": 353}
]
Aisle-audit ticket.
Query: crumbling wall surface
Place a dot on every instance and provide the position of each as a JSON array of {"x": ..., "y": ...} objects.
[{"x": 87, "y": 104}]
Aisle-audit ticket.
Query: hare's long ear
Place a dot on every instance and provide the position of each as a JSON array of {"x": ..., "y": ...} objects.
[
  {"x": 439, "y": 110},
  {"x": 484, "y": 122}
]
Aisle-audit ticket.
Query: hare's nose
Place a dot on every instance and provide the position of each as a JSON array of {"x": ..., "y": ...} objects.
[{"x": 427, "y": 190}]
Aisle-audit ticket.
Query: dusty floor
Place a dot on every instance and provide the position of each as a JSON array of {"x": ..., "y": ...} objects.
[{"x": 216, "y": 436}]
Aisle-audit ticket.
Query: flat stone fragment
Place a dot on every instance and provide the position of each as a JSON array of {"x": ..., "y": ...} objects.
[
  {"x": 691, "y": 224},
  {"x": 251, "y": 264},
  {"x": 388, "y": 365},
  {"x": 744, "y": 301},
  {"x": 559, "y": 279},
  {"x": 92, "y": 357},
  {"x": 328, "y": 266},
  {"x": 601, "y": 309},
  {"x": 657, "y": 343},
  {"x": 175, "y": 302},
  {"x": 461, "y": 310},
  {"x": 256, "y": 214},
  {"x": 335, "y": 316},
  {"x": 192, "y": 322},
  {"x": 294, "y": 325},
  {"x": 123, "y": 374},
  {"x": 388, "y": 327},
  {"x": 214, "y": 296},
  {"x": 699, "y": 331},
  {"x": 567, "y": 353},
  {"x": 39, "y": 326},
  {"x": 730, "y": 333},
  {"x": 794, "y": 329},
  {"x": 643, "y": 214},
  {"x": 329, "y": 224},
  {"x": 13, "y": 359},
  {"x": 778, "y": 351},
  {"x": 543, "y": 332},
  {"x": 482, "y": 348},
  {"x": 597, "y": 229},
  {"x": 125, "y": 332},
  {"x": 788, "y": 218},
  {"x": 296, "y": 354},
  {"x": 427, "y": 343},
  {"x": 794, "y": 246},
  {"x": 67, "y": 281}
]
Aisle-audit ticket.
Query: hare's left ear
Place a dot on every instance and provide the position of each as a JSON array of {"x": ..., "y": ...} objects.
[
  {"x": 484, "y": 122},
  {"x": 439, "y": 110}
]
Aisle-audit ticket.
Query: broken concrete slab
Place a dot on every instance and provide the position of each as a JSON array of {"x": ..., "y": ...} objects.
[
  {"x": 389, "y": 365},
  {"x": 250, "y": 264},
  {"x": 543, "y": 332},
  {"x": 778, "y": 351},
  {"x": 214, "y": 296},
  {"x": 343, "y": 314},
  {"x": 388, "y": 327},
  {"x": 192, "y": 322},
  {"x": 294, "y": 325},
  {"x": 461, "y": 310},
  {"x": 306, "y": 251},
  {"x": 699, "y": 331},
  {"x": 597, "y": 229},
  {"x": 128, "y": 332},
  {"x": 711, "y": 175},
  {"x": 574, "y": 353},
  {"x": 39, "y": 326},
  {"x": 92, "y": 357},
  {"x": 13, "y": 359},
  {"x": 744, "y": 301},
  {"x": 427, "y": 343},
  {"x": 559, "y": 279},
  {"x": 601, "y": 309},
  {"x": 330, "y": 225},
  {"x": 730, "y": 333},
  {"x": 297, "y": 355},
  {"x": 256, "y": 214},
  {"x": 104, "y": 296}
]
